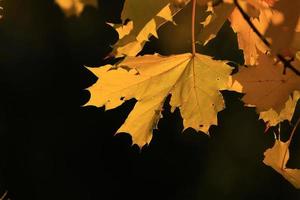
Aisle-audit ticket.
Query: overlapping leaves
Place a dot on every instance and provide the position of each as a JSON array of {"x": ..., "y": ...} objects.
[{"x": 268, "y": 33}]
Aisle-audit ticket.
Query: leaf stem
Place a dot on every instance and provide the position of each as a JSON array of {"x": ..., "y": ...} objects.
[
  {"x": 193, "y": 27},
  {"x": 289, "y": 141}
]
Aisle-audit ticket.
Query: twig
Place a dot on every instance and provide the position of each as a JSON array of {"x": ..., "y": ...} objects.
[{"x": 286, "y": 63}]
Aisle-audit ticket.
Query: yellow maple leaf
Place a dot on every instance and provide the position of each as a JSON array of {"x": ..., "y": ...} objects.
[
  {"x": 146, "y": 17},
  {"x": 194, "y": 83},
  {"x": 265, "y": 85},
  {"x": 277, "y": 157},
  {"x": 75, "y": 7}
]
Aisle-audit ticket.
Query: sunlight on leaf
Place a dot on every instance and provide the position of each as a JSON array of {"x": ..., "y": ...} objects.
[
  {"x": 193, "y": 82},
  {"x": 277, "y": 157}
]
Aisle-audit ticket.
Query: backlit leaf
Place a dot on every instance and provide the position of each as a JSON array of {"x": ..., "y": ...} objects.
[{"x": 193, "y": 82}]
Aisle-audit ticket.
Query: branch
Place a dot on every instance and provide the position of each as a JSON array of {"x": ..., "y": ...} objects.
[{"x": 286, "y": 63}]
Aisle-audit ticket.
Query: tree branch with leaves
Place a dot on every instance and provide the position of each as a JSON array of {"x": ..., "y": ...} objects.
[{"x": 268, "y": 32}]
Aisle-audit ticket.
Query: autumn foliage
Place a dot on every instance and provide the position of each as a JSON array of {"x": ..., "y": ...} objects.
[{"x": 268, "y": 32}]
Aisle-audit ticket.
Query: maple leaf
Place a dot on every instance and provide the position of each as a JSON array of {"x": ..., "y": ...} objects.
[
  {"x": 277, "y": 157},
  {"x": 273, "y": 117},
  {"x": 143, "y": 24},
  {"x": 194, "y": 83},
  {"x": 265, "y": 85},
  {"x": 75, "y": 7}
]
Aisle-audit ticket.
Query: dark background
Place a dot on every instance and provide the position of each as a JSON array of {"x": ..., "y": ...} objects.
[{"x": 53, "y": 148}]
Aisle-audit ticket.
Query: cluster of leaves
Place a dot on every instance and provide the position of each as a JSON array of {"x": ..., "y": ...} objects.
[{"x": 268, "y": 32}]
